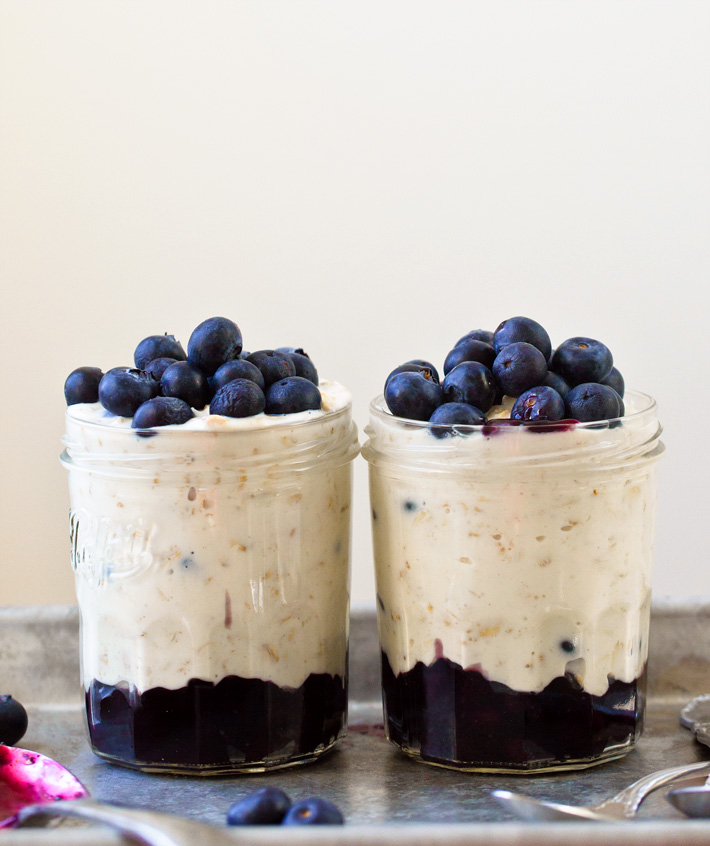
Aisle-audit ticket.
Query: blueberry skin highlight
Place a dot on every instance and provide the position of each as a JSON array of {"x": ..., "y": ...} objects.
[
  {"x": 291, "y": 395},
  {"x": 413, "y": 394},
  {"x": 238, "y": 398},
  {"x": 82, "y": 385},
  {"x": 614, "y": 380},
  {"x": 161, "y": 411},
  {"x": 538, "y": 403},
  {"x": 469, "y": 349},
  {"x": 472, "y": 383},
  {"x": 315, "y": 811},
  {"x": 213, "y": 342},
  {"x": 519, "y": 366},
  {"x": 522, "y": 329},
  {"x": 274, "y": 365},
  {"x": 13, "y": 720},
  {"x": 579, "y": 360},
  {"x": 267, "y": 806},
  {"x": 236, "y": 369},
  {"x": 451, "y": 414},
  {"x": 592, "y": 401},
  {"x": 123, "y": 389},
  {"x": 184, "y": 381},
  {"x": 157, "y": 346}
]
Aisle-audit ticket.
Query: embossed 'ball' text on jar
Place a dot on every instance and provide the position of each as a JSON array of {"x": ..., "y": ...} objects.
[
  {"x": 513, "y": 567},
  {"x": 212, "y": 565}
]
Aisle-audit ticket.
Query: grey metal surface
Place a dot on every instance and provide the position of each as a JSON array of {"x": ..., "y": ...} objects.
[{"x": 385, "y": 797}]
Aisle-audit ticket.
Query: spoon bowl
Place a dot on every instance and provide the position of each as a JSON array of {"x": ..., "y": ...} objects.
[
  {"x": 623, "y": 806},
  {"x": 28, "y": 778}
]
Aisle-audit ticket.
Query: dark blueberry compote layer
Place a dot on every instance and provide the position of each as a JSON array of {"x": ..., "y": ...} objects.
[
  {"x": 446, "y": 715},
  {"x": 236, "y": 724}
]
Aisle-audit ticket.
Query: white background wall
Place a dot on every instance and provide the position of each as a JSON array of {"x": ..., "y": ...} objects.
[{"x": 367, "y": 179}]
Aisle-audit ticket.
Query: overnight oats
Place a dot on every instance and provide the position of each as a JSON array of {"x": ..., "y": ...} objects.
[
  {"x": 513, "y": 531},
  {"x": 211, "y": 549}
]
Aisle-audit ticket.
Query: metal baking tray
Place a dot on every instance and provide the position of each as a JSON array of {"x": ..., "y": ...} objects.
[{"x": 385, "y": 797}]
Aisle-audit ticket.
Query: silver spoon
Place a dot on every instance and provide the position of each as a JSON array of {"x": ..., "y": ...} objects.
[
  {"x": 623, "y": 806},
  {"x": 694, "y": 801},
  {"x": 35, "y": 788}
]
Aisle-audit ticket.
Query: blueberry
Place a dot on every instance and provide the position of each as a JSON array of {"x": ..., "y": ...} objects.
[
  {"x": 592, "y": 401},
  {"x": 413, "y": 394},
  {"x": 519, "y": 366},
  {"x": 238, "y": 398},
  {"x": 614, "y": 380},
  {"x": 579, "y": 360},
  {"x": 213, "y": 342},
  {"x": 237, "y": 369},
  {"x": 267, "y": 806},
  {"x": 292, "y": 394},
  {"x": 315, "y": 811},
  {"x": 522, "y": 329},
  {"x": 158, "y": 366},
  {"x": 157, "y": 346},
  {"x": 469, "y": 349},
  {"x": 13, "y": 720},
  {"x": 123, "y": 389},
  {"x": 187, "y": 382},
  {"x": 451, "y": 414},
  {"x": 477, "y": 335},
  {"x": 304, "y": 367},
  {"x": 82, "y": 385},
  {"x": 416, "y": 365},
  {"x": 539, "y": 403},
  {"x": 470, "y": 382},
  {"x": 161, "y": 411},
  {"x": 292, "y": 350},
  {"x": 274, "y": 365},
  {"x": 554, "y": 380}
]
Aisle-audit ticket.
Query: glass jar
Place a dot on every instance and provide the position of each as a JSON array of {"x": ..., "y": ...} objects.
[
  {"x": 212, "y": 565},
  {"x": 513, "y": 567}
]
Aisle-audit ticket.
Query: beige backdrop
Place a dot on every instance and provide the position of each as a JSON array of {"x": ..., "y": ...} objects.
[{"x": 369, "y": 180}]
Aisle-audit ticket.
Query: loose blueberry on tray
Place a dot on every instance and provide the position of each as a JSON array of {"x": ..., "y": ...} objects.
[
  {"x": 314, "y": 811},
  {"x": 13, "y": 720},
  {"x": 267, "y": 806}
]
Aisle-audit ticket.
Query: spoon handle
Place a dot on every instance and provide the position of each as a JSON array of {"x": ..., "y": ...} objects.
[
  {"x": 632, "y": 796},
  {"x": 149, "y": 828}
]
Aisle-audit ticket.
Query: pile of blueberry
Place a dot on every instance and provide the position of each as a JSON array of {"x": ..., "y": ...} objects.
[
  {"x": 167, "y": 383},
  {"x": 271, "y": 806},
  {"x": 13, "y": 720},
  {"x": 575, "y": 382}
]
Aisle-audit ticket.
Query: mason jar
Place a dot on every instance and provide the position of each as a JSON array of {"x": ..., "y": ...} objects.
[
  {"x": 212, "y": 566},
  {"x": 513, "y": 567}
]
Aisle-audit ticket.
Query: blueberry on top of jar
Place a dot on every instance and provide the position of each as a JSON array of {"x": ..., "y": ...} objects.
[
  {"x": 470, "y": 382},
  {"x": 539, "y": 403},
  {"x": 157, "y": 346},
  {"x": 413, "y": 394},
  {"x": 291, "y": 395},
  {"x": 580, "y": 360},
  {"x": 123, "y": 389},
  {"x": 450, "y": 414},
  {"x": 187, "y": 382},
  {"x": 238, "y": 398},
  {"x": 522, "y": 329},
  {"x": 591, "y": 401},
  {"x": 470, "y": 349},
  {"x": 519, "y": 366},
  {"x": 161, "y": 411},
  {"x": 82, "y": 385},
  {"x": 213, "y": 342},
  {"x": 274, "y": 365}
]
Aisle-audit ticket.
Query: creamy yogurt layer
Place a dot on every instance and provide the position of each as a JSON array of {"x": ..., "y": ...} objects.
[
  {"x": 524, "y": 554},
  {"x": 214, "y": 548}
]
